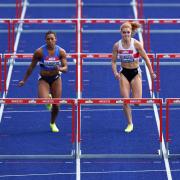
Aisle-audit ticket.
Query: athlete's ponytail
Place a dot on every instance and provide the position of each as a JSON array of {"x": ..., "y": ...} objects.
[{"x": 134, "y": 26}]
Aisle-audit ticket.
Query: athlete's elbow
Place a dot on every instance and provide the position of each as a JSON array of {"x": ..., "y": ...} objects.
[{"x": 65, "y": 69}]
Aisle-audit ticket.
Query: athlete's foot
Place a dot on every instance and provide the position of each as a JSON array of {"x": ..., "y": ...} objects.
[
  {"x": 49, "y": 106},
  {"x": 54, "y": 127},
  {"x": 129, "y": 128}
]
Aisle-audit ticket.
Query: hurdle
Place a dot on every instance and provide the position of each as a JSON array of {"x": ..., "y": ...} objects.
[
  {"x": 160, "y": 56},
  {"x": 108, "y": 56},
  {"x": 13, "y": 59},
  {"x": 170, "y": 102},
  {"x": 40, "y": 21},
  {"x": 18, "y": 8},
  {"x": 118, "y": 101},
  {"x": 8, "y": 23},
  {"x": 139, "y": 7},
  {"x": 40, "y": 101},
  {"x": 157, "y": 21}
]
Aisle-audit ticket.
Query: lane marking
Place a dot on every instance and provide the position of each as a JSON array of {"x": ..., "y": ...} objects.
[
  {"x": 89, "y": 172},
  {"x": 43, "y": 174},
  {"x": 166, "y": 161}
]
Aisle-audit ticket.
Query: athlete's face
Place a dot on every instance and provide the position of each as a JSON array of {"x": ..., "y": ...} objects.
[
  {"x": 51, "y": 41},
  {"x": 126, "y": 33}
]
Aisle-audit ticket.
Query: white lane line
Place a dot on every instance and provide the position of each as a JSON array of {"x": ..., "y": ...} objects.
[
  {"x": 166, "y": 161},
  {"x": 38, "y": 174},
  {"x": 90, "y": 172},
  {"x": 78, "y": 161},
  {"x": 15, "y": 49}
]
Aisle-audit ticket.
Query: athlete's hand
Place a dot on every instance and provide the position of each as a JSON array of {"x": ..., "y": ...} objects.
[
  {"x": 21, "y": 83},
  {"x": 153, "y": 75},
  {"x": 117, "y": 76},
  {"x": 58, "y": 68}
]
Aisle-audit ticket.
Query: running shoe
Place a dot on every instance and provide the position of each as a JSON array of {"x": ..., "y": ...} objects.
[
  {"x": 129, "y": 128},
  {"x": 54, "y": 127}
]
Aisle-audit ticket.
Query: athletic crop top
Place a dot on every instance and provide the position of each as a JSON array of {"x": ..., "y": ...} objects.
[
  {"x": 48, "y": 62},
  {"x": 128, "y": 55}
]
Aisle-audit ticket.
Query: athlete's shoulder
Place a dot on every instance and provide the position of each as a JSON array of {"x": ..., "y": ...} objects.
[
  {"x": 63, "y": 53},
  {"x": 58, "y": 47},
  {"x": 44, "y": 46},
  {"x": 137, "y": 44},
  {"x": 38, "y": 53},
  {"x": 41, "y": 48},
  {"x": 116, "y": 44},
  {"x": 135, "y": 41}
]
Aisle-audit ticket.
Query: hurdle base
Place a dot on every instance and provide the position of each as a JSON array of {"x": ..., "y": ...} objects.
[
  {"x": 35, "y": 157},
  {"x": 121, "y": 156},
  {"x": 173, "y": 156}
]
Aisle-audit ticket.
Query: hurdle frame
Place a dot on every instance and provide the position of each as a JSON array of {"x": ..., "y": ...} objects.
[
  {"x": 43, "y": 101},
  {"x": 151, "y": 56},
  {"x": 18, "y": 8},
  {"x": 42, "y": 21},
  {"x": 10, "y": 59},
  {"x": 157, "y": 21},
  {"x": 1, "y": 73},
  {"x": 163, "y": 56},
  {"x": 8, "y": 22},
  {"x": 170, "y": 102},
  {"x": 140, "y": 8},
  {"x": 117, "y": 101}
]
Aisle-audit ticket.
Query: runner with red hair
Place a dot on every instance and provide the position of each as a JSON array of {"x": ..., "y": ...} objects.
[{"x": 129, "y": 50}]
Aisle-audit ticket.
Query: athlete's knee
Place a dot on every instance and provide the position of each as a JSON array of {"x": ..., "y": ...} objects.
[{"x": 126, "y": 106}]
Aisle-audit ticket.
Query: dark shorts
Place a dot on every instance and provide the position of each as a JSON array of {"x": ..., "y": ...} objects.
[
  {"x": 49, "y": 79},
  {"x": 129, "y": 73}
]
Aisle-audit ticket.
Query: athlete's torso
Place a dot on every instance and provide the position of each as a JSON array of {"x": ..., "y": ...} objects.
[
  {"x": 129, "y": 55},
  {"x": 50, "y": 62}
]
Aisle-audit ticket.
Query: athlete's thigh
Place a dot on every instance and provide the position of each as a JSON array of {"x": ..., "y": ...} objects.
[
  {"x": 56, "y": 88},
  {"x": 136, "y": 86},
  {"x": 124, "y": 86},
  {"x": 43, "y": 89}
]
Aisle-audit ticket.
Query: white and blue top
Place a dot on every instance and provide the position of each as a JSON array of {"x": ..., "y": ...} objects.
[{"x": 50, "y": 62}]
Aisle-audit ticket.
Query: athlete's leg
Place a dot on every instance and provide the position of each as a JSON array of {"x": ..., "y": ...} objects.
[
  {"x": 136, "y": 85},
  {"x": 56, "y": 92},
  {"x": 43, "y": 89},
  {"x": 125, "y": 93}
]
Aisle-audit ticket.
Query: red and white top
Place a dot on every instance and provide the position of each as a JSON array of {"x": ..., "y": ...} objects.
[{"x": 128, "y": 55}]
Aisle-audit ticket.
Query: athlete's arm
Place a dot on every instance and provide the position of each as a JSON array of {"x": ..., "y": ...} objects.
[
  {"x": 143, "y": 54},
  {"x": 64, "y": 67},
  {"x": 36, "y": 57},
  {"x": 113, "y": 61}
]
